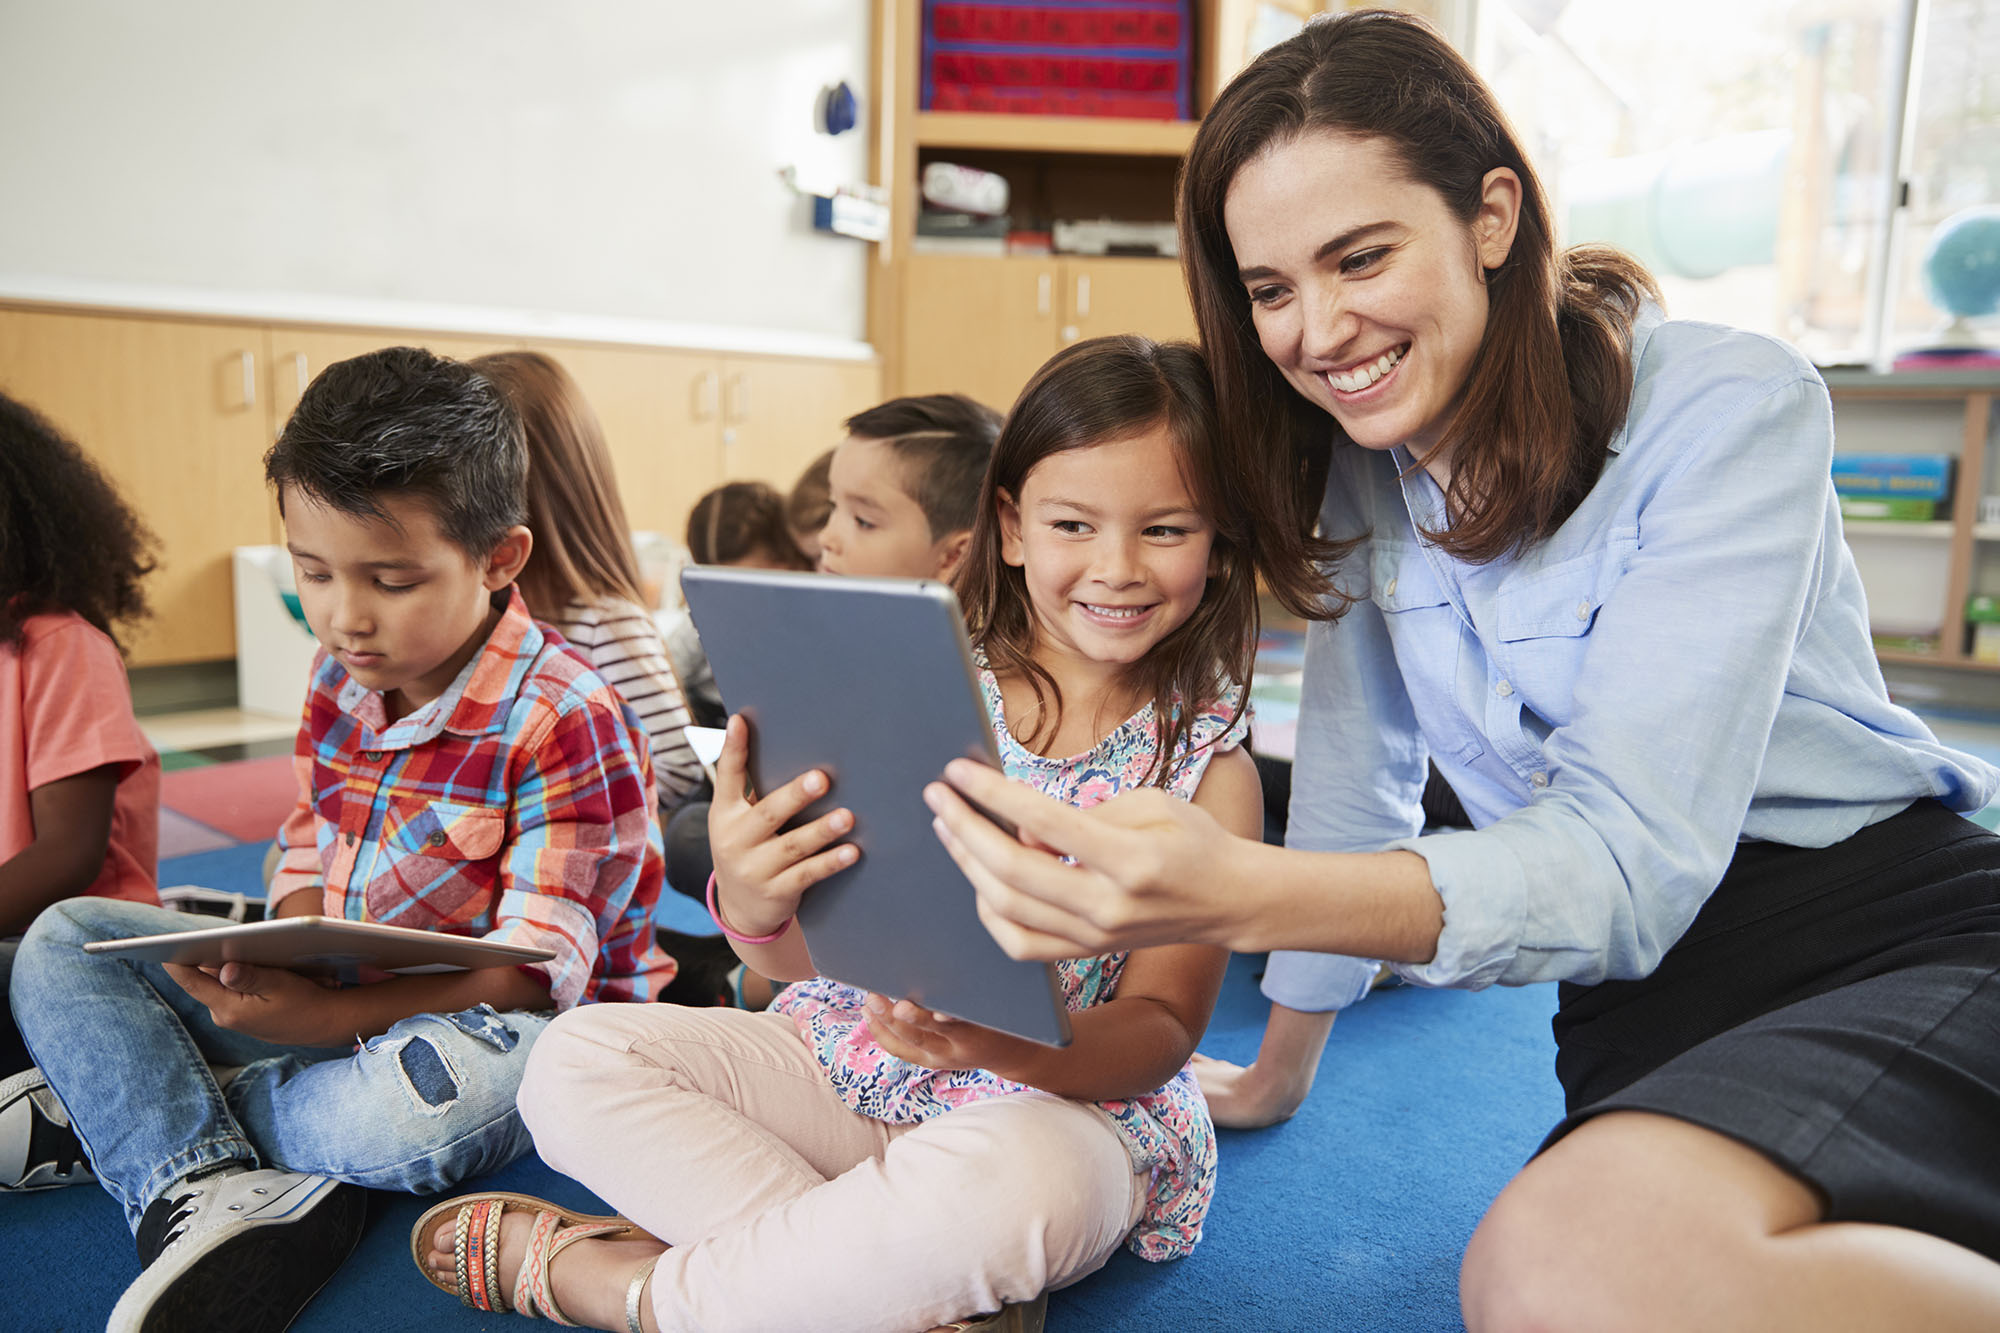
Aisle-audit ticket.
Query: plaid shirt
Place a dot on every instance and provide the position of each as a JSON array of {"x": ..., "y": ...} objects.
[{"x": 518, "y": 806}]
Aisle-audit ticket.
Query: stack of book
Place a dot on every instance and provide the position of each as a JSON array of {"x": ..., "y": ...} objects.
[
  {"x": 948, "y": 231},
  {"x": 1909, "y": 488}
]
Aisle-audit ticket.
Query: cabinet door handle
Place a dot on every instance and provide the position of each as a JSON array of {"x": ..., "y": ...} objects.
[
  {"x": 738, "y": 408},
  {"x": 1083, "y": 296},
  {"x": 1044, "y": 289},
  {"x": 707, "y": 387},
  {"x": 247, "y": 364}
]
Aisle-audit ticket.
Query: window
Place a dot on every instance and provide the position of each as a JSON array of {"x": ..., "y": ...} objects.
[{"x": 1746, "y": 150}]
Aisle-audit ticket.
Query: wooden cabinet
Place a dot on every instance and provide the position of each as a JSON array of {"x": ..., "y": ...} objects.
[
  {"x": 680, "y": 423},
  {"x": 981, "y": 325},
  {"x": 780, "y": 413},
  {"x": 177, "y": 415},
  {"x": 296, "y": 355},
  {"x": 662, "y": 418}
]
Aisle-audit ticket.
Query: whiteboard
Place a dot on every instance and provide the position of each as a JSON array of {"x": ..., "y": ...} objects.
[{"x": 609, "y": 158}]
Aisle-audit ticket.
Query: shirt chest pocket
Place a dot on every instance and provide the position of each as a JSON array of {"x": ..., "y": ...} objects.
[
  {"x": 1427, "y": 635},
  {"x": 438, "y": 860},
  {"x": 1543, "y": 619}
]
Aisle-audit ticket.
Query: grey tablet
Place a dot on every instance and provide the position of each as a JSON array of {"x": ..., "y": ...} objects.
[
  {"x": 871, "y": 681},
  {"x": 321, "y": 946}
]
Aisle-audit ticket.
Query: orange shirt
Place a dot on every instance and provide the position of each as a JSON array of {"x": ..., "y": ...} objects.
[{"x": 65, "y": 708}]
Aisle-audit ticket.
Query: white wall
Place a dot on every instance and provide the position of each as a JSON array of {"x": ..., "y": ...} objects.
[{"x": 611, "y": 158}]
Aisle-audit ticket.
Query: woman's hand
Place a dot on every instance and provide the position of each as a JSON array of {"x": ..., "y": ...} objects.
[
  {"x": 761, "y": 872},
  {"x": 1149, "y": 868},
  {"x": 911, "y": 1032}
]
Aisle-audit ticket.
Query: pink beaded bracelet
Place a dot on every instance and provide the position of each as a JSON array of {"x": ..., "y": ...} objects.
[{"x": 715, "y": 912}]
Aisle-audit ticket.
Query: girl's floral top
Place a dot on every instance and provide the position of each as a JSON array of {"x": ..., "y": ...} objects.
[{"x": 1167, "y": 1131}]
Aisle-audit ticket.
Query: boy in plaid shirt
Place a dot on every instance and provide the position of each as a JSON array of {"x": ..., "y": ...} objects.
[{"x": 459, "y": 771}]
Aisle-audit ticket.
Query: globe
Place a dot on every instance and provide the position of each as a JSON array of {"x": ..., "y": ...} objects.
[{"x": 1962, "y": 266}]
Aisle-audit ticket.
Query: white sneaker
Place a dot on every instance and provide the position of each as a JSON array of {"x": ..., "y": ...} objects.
[
  {"x": 238, "y": 1252},
  {"x": 38, "y": 1149}
]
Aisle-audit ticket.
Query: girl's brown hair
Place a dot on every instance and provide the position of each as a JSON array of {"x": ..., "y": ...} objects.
[
  {"x": 583, "y": 542},
  {"x": 1552, "y": 379},
  {"x": 741, "y": 520},
  {"x": 1092, "y": 393}
]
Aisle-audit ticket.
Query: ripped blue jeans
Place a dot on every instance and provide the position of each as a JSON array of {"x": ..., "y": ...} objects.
[{"x": 418, "y": 1108}]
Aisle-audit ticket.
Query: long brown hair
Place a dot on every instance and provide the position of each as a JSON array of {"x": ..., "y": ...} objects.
[
  {"x": 583, "y": 542},
  {"x": 1097, "y": 392},
  {"x": 1551, "y": 381}
]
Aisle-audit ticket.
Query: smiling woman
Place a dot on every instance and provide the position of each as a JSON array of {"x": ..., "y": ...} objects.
[{"x": 1588, "y": 561}]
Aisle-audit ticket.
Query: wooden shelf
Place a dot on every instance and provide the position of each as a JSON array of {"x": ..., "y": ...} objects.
[
  {"x": 1889, "y": 658},
  {"x": 1053, "y": 134},
  {"x": 1939, "y": 529},
  {"x": 1854, "y": 383}
]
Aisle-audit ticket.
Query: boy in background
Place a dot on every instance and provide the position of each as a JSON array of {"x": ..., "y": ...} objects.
[
  {"x": 904, "y": 487},
  {"x": 458, "y": 772}
]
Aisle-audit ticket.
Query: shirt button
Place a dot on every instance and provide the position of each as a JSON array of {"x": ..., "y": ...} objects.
[
  {"x": 350, "y": 840},
  {"x": 1583, "y": 609},
  {"x": 372, "y": 756},
  {"x": 435, "y": 840},
  {"x": 1538, "y": 780},
  {"x": 1503, "y": 689},
  {"x": 1389, "y": 588}
]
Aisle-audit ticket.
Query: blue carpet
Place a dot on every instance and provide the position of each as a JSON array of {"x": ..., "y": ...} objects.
[{"x": 1351, "y": 1215}]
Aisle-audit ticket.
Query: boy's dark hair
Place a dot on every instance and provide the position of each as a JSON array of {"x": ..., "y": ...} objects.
[
  {"x": 68, "y": 542},
  {"x": 739, "y": 519},
  {"x": 944, "y": 441},
  {"x": 406, "y": 422}
]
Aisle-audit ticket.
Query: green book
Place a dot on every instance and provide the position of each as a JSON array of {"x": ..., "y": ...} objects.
[{"x": 1900, "y": 509}]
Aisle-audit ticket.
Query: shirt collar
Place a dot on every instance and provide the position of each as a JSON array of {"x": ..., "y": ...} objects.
[
  {"x": 477, "y": 701},
  {"x": 1649, "y": 318}
]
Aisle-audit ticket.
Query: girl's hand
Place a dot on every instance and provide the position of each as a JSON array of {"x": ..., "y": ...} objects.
[
  {"x": 761, "y": 872},
  {"x": 1149, "y": 868},
  {"x": 911, "y": 1032}
]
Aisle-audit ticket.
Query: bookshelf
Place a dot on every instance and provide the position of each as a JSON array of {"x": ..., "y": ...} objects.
[{"x": 1934, "y": 412}]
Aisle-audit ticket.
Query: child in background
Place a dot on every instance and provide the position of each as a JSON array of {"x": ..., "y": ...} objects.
[
  {"x": 79, "y": 782},
  {"x": 809, "y": 504},
  {"x": 905, "y": 487},
  {"x": 581, "y": 576},
  {"x": 742, "y": 523},
  {"x": 458, "y": 772},
  {"x": 844, "y": 1162},
  {"x": 903, "y": 490}
]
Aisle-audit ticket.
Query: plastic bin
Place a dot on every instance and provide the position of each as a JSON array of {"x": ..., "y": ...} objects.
[{"x": 274, "y": 648}]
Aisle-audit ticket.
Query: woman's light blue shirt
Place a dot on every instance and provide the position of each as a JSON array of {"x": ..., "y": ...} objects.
[{"x": 1684, "y": 664}]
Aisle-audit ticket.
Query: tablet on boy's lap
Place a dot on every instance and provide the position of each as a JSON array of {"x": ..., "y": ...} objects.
[
  {"x": 322, "y": 946},
  {"x": 871, "y": 681}
]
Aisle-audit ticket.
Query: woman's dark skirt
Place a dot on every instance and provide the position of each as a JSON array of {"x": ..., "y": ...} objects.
[{"x": 1837, "y": 1009}]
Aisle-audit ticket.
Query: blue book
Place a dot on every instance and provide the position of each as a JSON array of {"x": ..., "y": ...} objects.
[{"x": 1906, "y": 476}]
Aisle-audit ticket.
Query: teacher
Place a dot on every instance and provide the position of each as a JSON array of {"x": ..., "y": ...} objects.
[{"x": 1590, "y": 562}]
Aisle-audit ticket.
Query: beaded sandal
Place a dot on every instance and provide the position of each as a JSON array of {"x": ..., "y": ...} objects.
[
  {"x": 1027, "y": 1317},
  {"x": 475, "y": 1249}
]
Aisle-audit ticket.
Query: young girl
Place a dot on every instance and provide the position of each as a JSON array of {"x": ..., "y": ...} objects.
[
  {"x": 582, "y": 577},
  {"x": 79, "y": 783},
  {"x": 743, "y": 523},
  {"x": 842, "y": 1161}
]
